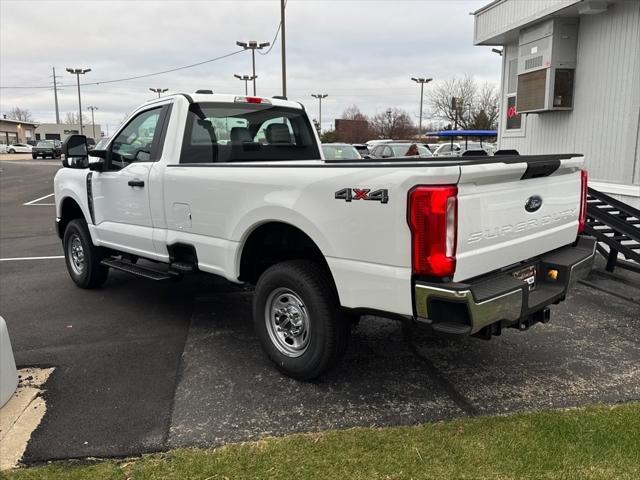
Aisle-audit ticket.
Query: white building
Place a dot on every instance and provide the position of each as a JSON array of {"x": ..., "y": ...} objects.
[{"x": 574, "y": 66}]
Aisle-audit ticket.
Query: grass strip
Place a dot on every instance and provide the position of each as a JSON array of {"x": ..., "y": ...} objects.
[{"x": 601, "y": 442}]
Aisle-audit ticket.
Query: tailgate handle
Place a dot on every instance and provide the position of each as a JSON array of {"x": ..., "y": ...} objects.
[{"x": 136, "y": 183}]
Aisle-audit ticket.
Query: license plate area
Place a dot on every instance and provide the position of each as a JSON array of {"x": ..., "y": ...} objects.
[{"x": 526, "y": 274}]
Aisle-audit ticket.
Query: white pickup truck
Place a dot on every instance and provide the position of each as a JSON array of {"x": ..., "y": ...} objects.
[{"x": 237, "y": 186}]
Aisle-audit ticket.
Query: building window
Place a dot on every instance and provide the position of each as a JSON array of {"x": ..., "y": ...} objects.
[{"x": 514, "y": 119}]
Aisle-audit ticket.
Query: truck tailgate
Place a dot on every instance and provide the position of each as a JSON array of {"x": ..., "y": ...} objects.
[{"x": 505, "y": 217}]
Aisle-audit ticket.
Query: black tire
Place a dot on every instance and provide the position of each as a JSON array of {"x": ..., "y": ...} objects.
[
  {"x": 328, "y": 331},
  {"x": 87, "y": 271},
  {"x": 34, "y": 156},
  {"x": 11, "y": 150}
]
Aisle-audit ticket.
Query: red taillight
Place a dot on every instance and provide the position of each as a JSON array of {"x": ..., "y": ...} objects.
[
  {"x": 432, "y": 216},
  {"x": 252, "y": 100},
  {"x": 582, "y": 219}
]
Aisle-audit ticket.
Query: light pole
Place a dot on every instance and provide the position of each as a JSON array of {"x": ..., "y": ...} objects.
[
  {"x": 93, "y": 122},
  {"x": 421, "y": 81},
  {"x": 284, "y": 51},
  {"x": 77, "y": 72},
  {"x": 319, "y": 96},
  {"x": 158, "y": 90},
  {"x": 246, "y": 79},
  {"x": 253, "y": 46}
]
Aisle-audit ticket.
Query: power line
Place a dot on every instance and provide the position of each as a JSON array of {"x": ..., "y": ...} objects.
[
  {"x": 141, "y": 76},
  {"x": 275, "y": 36}
]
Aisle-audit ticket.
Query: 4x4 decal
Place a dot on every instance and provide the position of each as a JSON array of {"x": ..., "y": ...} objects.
[{"x": 349, "y": 194}]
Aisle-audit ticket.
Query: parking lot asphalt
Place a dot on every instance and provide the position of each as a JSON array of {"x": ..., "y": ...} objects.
[{"x": 144, "y": 366}]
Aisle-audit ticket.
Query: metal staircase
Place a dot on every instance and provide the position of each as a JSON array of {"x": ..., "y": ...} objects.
[{"x": 616, "y": 226}]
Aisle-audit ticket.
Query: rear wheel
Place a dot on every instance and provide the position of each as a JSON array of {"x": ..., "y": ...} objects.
[
  {"x": 33, "y": 155},
  {"x": 297, "y": 319},
  {"x": 82, "y": 256},
  {"x": 11, "y": 150}
]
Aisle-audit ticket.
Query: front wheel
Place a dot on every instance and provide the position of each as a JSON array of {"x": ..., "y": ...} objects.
[
  {"x": 11, "y": 150},
  {"x": 297, "y": 319},
  {"x": 82, "y": 256}
]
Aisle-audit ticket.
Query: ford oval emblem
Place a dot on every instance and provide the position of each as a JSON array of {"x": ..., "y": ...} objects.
[{"x": 533, "y": 204}]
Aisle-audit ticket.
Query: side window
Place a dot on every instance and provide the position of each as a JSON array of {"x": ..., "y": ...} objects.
[
  {"x": 134, "y": 142},
  {"x": 445, "y": 149}
]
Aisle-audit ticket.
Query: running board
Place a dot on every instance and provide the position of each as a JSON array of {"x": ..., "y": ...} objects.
[{"x": 148, "y": 273}]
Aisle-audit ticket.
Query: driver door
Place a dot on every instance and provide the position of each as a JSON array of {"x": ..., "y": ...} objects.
[{"x": 121, "y": 192}]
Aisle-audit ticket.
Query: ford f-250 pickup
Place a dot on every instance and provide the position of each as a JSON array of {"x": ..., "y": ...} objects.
[{"x": 237, "y": 186}]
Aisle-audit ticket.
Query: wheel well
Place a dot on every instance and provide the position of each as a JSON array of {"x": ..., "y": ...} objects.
[
  {"x": 275, "y": 242},
  {"x": 70, "y": 211}
]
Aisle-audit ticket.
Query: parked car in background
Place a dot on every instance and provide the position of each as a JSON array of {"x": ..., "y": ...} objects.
[
  {"x": 361, "y": 148},
  {"x": 340, "y": 151},
  {"x": 464, "y": 147},
  {"x": 389, "y": 150},
  {"x": 448, "y": 150},
  {"x": 47, "y": 148},
  {"x": 19, "y": 148},
  {"x": 372, "y": 143}
]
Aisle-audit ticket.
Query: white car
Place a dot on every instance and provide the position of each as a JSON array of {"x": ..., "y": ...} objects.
[
  {"x": 236, "y": 186},
  {"x": 19, "y": 148},
  {"x": 3, "y": 148},
  {"x": 448, "y": 150}
]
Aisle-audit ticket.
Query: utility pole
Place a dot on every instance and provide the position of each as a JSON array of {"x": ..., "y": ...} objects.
[
  {"x": 158, "y": 90},
  {"x": 421, "y": 81},
  {"x": 246, "y": 79},
  {"x": 319, "y": 96},
  {"x": 253, "y": 46},
  {"x": 77, "y": 72},
  {"x": 93, "y": 123},
  {"x": 284, "y": 49},
  {"x": 55, "y": 95}
]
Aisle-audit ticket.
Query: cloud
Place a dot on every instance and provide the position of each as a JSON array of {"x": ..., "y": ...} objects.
[{"x": 358, "y": 51}]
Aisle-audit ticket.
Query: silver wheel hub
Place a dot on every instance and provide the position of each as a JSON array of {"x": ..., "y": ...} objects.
[
  {"x": 76, "y": 254},
  {"x": 287, "y": 322}
]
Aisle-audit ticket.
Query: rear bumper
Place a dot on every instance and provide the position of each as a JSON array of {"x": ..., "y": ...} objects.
[{"x": 467, "y": 308}]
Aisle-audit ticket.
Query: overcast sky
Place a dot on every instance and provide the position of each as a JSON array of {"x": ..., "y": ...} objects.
[{"x": 359, "y": 52}]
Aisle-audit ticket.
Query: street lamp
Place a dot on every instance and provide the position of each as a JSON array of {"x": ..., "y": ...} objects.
[
  {"x": 246, "y": 79},
  {"x": 421, "y": 81},
  {"x": 319, "y": 96},
  {"x": 77, "y": 72},
  {"x": 93, "y": 122},
  {"x": 158, "y": 90},
  {"x": 253, "y": 46}
]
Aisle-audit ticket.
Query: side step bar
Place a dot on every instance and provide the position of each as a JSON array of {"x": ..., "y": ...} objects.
[{"x": 138, "y": 270}]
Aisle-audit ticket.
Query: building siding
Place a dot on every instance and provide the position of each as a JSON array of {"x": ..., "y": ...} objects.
[
  {"x": 504, "y": 16},
  {"x": 604, "y": 124}
]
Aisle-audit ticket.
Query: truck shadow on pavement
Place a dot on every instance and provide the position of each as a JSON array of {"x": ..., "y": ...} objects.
[{"x": 228, "y": 390}]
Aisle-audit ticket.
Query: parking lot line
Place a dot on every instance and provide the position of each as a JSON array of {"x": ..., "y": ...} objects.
[
  {"x": 16, "y": 259},
  {"x": 38, "y": 199}
]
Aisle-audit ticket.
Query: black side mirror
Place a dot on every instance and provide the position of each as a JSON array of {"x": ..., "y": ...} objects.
[{"x": 76, "y": 152}]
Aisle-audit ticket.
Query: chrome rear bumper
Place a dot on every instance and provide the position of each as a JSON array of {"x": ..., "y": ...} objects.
[{"x": 466, "y": 308}]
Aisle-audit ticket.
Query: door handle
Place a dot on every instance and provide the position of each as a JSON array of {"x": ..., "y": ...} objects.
[{"x": 135, "y": 183}]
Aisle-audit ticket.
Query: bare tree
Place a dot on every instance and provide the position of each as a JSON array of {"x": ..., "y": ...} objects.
[
  {"x": 354, "y": 113},
  {"x": 393, "y": 123},
  {"x": 71, "y": 118},
  {"x": 21, "y": 114},
  {"x": 487, "y": 108},
  {"x": 463, "y": 103}
]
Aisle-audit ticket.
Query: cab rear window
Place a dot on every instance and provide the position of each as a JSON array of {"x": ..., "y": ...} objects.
[{"x": 221, "y": 133}]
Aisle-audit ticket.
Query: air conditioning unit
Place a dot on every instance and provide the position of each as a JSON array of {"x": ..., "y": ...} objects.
[{"x": 546, "y": 66}]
